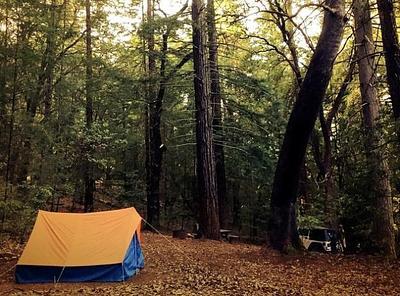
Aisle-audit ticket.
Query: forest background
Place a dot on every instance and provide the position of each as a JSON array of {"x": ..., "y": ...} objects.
[{"x": 98, "y": 109}]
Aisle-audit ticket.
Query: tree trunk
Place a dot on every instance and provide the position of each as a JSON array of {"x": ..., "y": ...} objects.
[
  {"x": 236, "y": 205},
  {"x": 155, "y": 143},
  {"x": 43, "y": 89},
  {"x": 382, "y": 232},
  {"x": 45, "y": 78},
  {"x": 392, "y": 55},
  {"x": 146, "y": 120},
  {"x": 48, "y": 86},
  {"x": 329, "y": 207},
  {"x": 326, "y": 127},
  {"x": 9, "y": 167},
  {"x": 154, "y": 135},
  {"x": 205, "y": 166},
  {"x": 301, "y": 123},
  {"x": 217, "y": 123},
  {"x": 4, "y": 64},
  {"x": 286, "y": 28},
  {"x": 155, "y": 98},
  {"x": 88, "y": 166}
]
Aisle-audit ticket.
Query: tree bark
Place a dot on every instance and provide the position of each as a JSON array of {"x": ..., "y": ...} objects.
[
  {"x": 392, "y": 55},
  {"x": 45, "y": 78},
  {"x": 48, "y": 86},
  {"x": 326, "y": 127},
  {"x": 382, "y": 230},
  {"x": 155, "y": 148},
  {"x": 205, "y": 166},
  {"x": 88, "y": 166},
  {"x": 217, "y": 122},
  {"x": 283, "y": 230},
  {"x": 9, "y": 168},
  {"x": 146, "y": 116},
  {"x": 154, "y": 135},
  {"x": 283, "y": 14},
  {"x": 4, "y": 64}
]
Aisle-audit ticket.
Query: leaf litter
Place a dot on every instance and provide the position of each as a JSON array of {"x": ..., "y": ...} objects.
[{"x": 203, "y": 267}]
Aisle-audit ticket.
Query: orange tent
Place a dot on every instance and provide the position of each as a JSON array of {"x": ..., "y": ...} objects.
[{"x": 102, "y": 246}]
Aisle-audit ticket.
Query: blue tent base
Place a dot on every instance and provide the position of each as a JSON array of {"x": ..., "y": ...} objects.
[
  {"x": 133, "y": 262},
  {"x": 50, "y": 274}
]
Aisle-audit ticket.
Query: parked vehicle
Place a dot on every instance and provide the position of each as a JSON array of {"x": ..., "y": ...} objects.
[{"x": 320, "y": 239}]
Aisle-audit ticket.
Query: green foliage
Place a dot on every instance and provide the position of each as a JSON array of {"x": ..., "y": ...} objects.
[
  {"x": 20, "y": 212},
  {"x": 47, "y": 151},
  {"x": 309, "y": 222}
]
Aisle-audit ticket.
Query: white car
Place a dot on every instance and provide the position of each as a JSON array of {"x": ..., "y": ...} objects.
[{"x": 319, "y": 239}]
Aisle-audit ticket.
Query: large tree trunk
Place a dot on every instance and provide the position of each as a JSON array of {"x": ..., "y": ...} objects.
[
  {"x": 205, "y": 166},
  {"x": 217, "y": 123},
  {"x": 154, "y": 135},
  {"x": 88, "y": 166},
  {"x": 155, "y": 143},
  {"x": 155, "y": 148},
  {"x": 283, "y": 232},
  {"x": 146, "y": 124},
  {"x": 45, "y": 172},
  {"x": 382, "y": 232},
  {"x": 392, "y": 55},
  {"x": 285, "y": 25}
]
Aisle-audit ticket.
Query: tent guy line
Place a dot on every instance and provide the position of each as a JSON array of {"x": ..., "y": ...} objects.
[
  {"x": 168, "y": 240},
  {"x": 65, "y": 260},
  {"x": 59, "y": 277},
  {"x": 7, "y": 270}
]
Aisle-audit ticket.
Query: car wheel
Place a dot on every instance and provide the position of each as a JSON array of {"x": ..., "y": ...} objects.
[{"x": 316, "y": 247}]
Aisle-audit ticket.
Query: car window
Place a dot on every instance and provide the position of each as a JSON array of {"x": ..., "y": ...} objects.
[{"x": 318, "y": 234}]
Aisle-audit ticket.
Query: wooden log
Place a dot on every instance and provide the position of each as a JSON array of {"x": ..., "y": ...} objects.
[{"x": 181, "y": 234}]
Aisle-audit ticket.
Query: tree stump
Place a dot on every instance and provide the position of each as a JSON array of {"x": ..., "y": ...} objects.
[{"x": 181, "y": 234}]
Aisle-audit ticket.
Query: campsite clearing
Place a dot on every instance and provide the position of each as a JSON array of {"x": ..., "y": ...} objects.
[{"x": 192, "y": 267}]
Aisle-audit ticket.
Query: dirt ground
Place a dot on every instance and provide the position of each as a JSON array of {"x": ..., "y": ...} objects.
[{"x": 193, "y": 267}]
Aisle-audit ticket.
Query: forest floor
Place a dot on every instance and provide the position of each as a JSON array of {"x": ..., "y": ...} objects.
[{"x": 201, "y": 267}]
